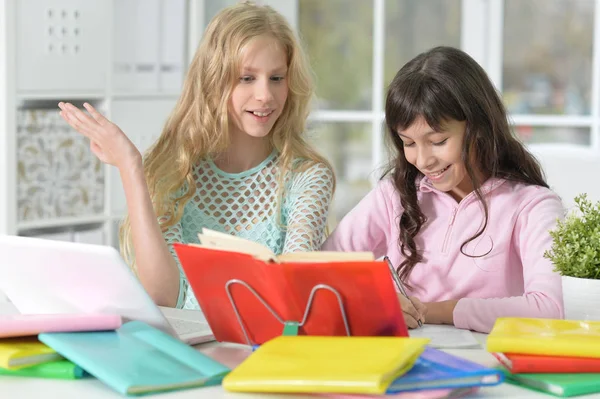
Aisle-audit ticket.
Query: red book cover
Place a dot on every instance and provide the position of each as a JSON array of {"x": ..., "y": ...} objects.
[
  {"x": 518, "y": 363},
  {"x": 217, "y": 277}
]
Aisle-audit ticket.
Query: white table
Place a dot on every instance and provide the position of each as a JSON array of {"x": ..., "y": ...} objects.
[{"x": 91, "y": 388}]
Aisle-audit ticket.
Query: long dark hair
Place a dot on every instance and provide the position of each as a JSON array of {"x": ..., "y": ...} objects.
[{"x": 444, "y": 84}]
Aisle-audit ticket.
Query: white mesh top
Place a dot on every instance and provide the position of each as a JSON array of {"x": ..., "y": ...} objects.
[{"x": 245, "y": 204}]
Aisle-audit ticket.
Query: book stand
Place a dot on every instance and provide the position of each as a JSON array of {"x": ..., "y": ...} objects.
[{"x": 290, "y": 326}]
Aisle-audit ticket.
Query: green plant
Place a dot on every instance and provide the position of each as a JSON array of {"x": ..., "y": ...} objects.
[{"x": 575, "y": 248}]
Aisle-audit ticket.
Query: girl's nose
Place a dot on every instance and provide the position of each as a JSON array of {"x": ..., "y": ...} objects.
[
  {"x": 263, "y": 91},
  {"x": 425, "y": 159}
]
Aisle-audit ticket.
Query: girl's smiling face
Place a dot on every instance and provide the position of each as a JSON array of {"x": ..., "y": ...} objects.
[
  {"x": 437, "y": 154},
  {"x": 259, "y": 96}
]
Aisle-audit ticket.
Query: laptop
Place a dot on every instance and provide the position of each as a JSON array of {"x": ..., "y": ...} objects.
[{"x": 42, "y": 276}]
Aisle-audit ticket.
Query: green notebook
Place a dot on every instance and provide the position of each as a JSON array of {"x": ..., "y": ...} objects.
[
  {"x": 558, "y": 384},
  {"x": 61, "y": 369}
]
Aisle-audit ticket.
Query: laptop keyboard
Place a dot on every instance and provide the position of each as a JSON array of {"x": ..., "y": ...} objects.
[{"x": 183, "y": 327}]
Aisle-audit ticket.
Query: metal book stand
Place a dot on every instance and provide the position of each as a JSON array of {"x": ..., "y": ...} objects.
[{"x": 290, "y": 327}]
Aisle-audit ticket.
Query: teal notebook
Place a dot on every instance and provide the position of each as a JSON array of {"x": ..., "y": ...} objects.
[
  {"x": 558, "y": 384},
  {"x": 137, "y": 359},
  {"x": 61, "y": 369}
]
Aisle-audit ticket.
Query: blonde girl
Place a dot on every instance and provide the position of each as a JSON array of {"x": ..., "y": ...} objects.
[{"x": 232, "y": 156}]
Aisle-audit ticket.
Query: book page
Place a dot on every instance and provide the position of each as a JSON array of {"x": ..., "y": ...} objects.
[
  {"x": 446, "y": 337},
  {"x": 326, "y": 256},
  {"x": 227, "y": 242}
]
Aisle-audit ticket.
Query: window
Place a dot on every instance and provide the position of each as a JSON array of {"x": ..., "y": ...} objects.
[
  {"x": 547, "y": 69},
  {"x": 338, "y": 38},
  {"x": 412, "y": 27},
  {"x": 355, "y": 48},
  {"x": 347, "y": 145}
]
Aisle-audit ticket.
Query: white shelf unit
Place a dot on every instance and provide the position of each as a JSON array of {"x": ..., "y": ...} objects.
[{"x": 76, "y": 50}]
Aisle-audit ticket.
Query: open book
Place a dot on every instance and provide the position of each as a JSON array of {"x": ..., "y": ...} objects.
[
  {"x": 248, "y": 295},
  {"x": 211, "y": 239}
]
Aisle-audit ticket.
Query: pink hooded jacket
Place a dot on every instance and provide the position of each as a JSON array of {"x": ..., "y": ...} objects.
[{"x": 512, "y": 279}]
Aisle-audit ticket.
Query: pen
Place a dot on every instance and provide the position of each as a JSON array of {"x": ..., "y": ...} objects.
[{"x": 399, "y": 283}]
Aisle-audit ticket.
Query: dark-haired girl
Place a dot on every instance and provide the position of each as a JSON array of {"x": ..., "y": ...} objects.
[{"x": 464, "y": 212}]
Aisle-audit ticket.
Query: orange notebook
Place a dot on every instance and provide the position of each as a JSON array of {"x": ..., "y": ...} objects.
[{"x": 366, "y": 291}]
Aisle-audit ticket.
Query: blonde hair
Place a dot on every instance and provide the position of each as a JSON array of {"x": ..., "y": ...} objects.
[{"x": 199, "y": 124}]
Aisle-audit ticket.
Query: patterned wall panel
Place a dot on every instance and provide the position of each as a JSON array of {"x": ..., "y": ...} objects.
[{"x": 58, "y": 176}]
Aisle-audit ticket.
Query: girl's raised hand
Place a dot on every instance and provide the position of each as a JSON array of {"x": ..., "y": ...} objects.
[{"x": 107, "y": 140}]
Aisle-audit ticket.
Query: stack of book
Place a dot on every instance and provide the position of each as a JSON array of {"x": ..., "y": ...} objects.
[
  {"x": 347, "y": 367},
  {"x": 132, "y": 358},
  {"x": 22, "y": 354},
  {"x": 560, "y": 357}
]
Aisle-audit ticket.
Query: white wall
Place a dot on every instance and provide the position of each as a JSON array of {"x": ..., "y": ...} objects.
[
  {"x": 3, "y": 121},
  {"x": 7, "y": 120},
  {"x": 3, "y": 135},
  {"x": 570, "y": 172}
]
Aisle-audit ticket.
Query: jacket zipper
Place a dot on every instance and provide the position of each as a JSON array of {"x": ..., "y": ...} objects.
[{"x": 449, "y": 231}]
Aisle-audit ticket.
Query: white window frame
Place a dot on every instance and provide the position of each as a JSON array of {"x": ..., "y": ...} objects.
[
  {"x": 376, "y": 115},
  {"x": 475, "y": 17},
  {"x": 482, "y": 24},
  {"x": 481, "y": 35}
]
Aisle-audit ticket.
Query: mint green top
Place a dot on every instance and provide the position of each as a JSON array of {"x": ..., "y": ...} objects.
[{"x": 245, "y": 204}]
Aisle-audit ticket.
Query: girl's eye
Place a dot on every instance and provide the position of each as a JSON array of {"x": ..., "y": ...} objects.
[
  {"x": 246, "y": 79},
  {"x": 441, "y": 142},
  {"x": 277, "y": 78},
  {"x": 408, "y": 144}
]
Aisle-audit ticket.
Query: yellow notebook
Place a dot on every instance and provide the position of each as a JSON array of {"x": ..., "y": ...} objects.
[
  {"x": 22, "y": 352},
  {"x": 545, "y": 337},
  {"x": 302, "y": 364}
]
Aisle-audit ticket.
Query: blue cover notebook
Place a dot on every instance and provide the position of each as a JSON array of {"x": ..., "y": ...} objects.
[
  {"x": 439, "y": 370},
  {"x": 137, "y": 359}
]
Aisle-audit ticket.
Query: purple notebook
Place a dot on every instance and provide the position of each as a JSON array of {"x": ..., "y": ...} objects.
[
  {"x": 436, "y": 369},
  {"x": 430, "y": 394}
]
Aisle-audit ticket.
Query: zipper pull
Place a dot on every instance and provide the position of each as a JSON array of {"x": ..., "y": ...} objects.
[{"x": 453, "y": 216}]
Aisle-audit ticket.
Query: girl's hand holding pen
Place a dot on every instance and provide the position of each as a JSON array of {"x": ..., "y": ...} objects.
[{"x": 413, "y": 309}]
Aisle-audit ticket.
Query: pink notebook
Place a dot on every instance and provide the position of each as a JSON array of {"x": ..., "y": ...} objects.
[{"x": 20, "y": 325}]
